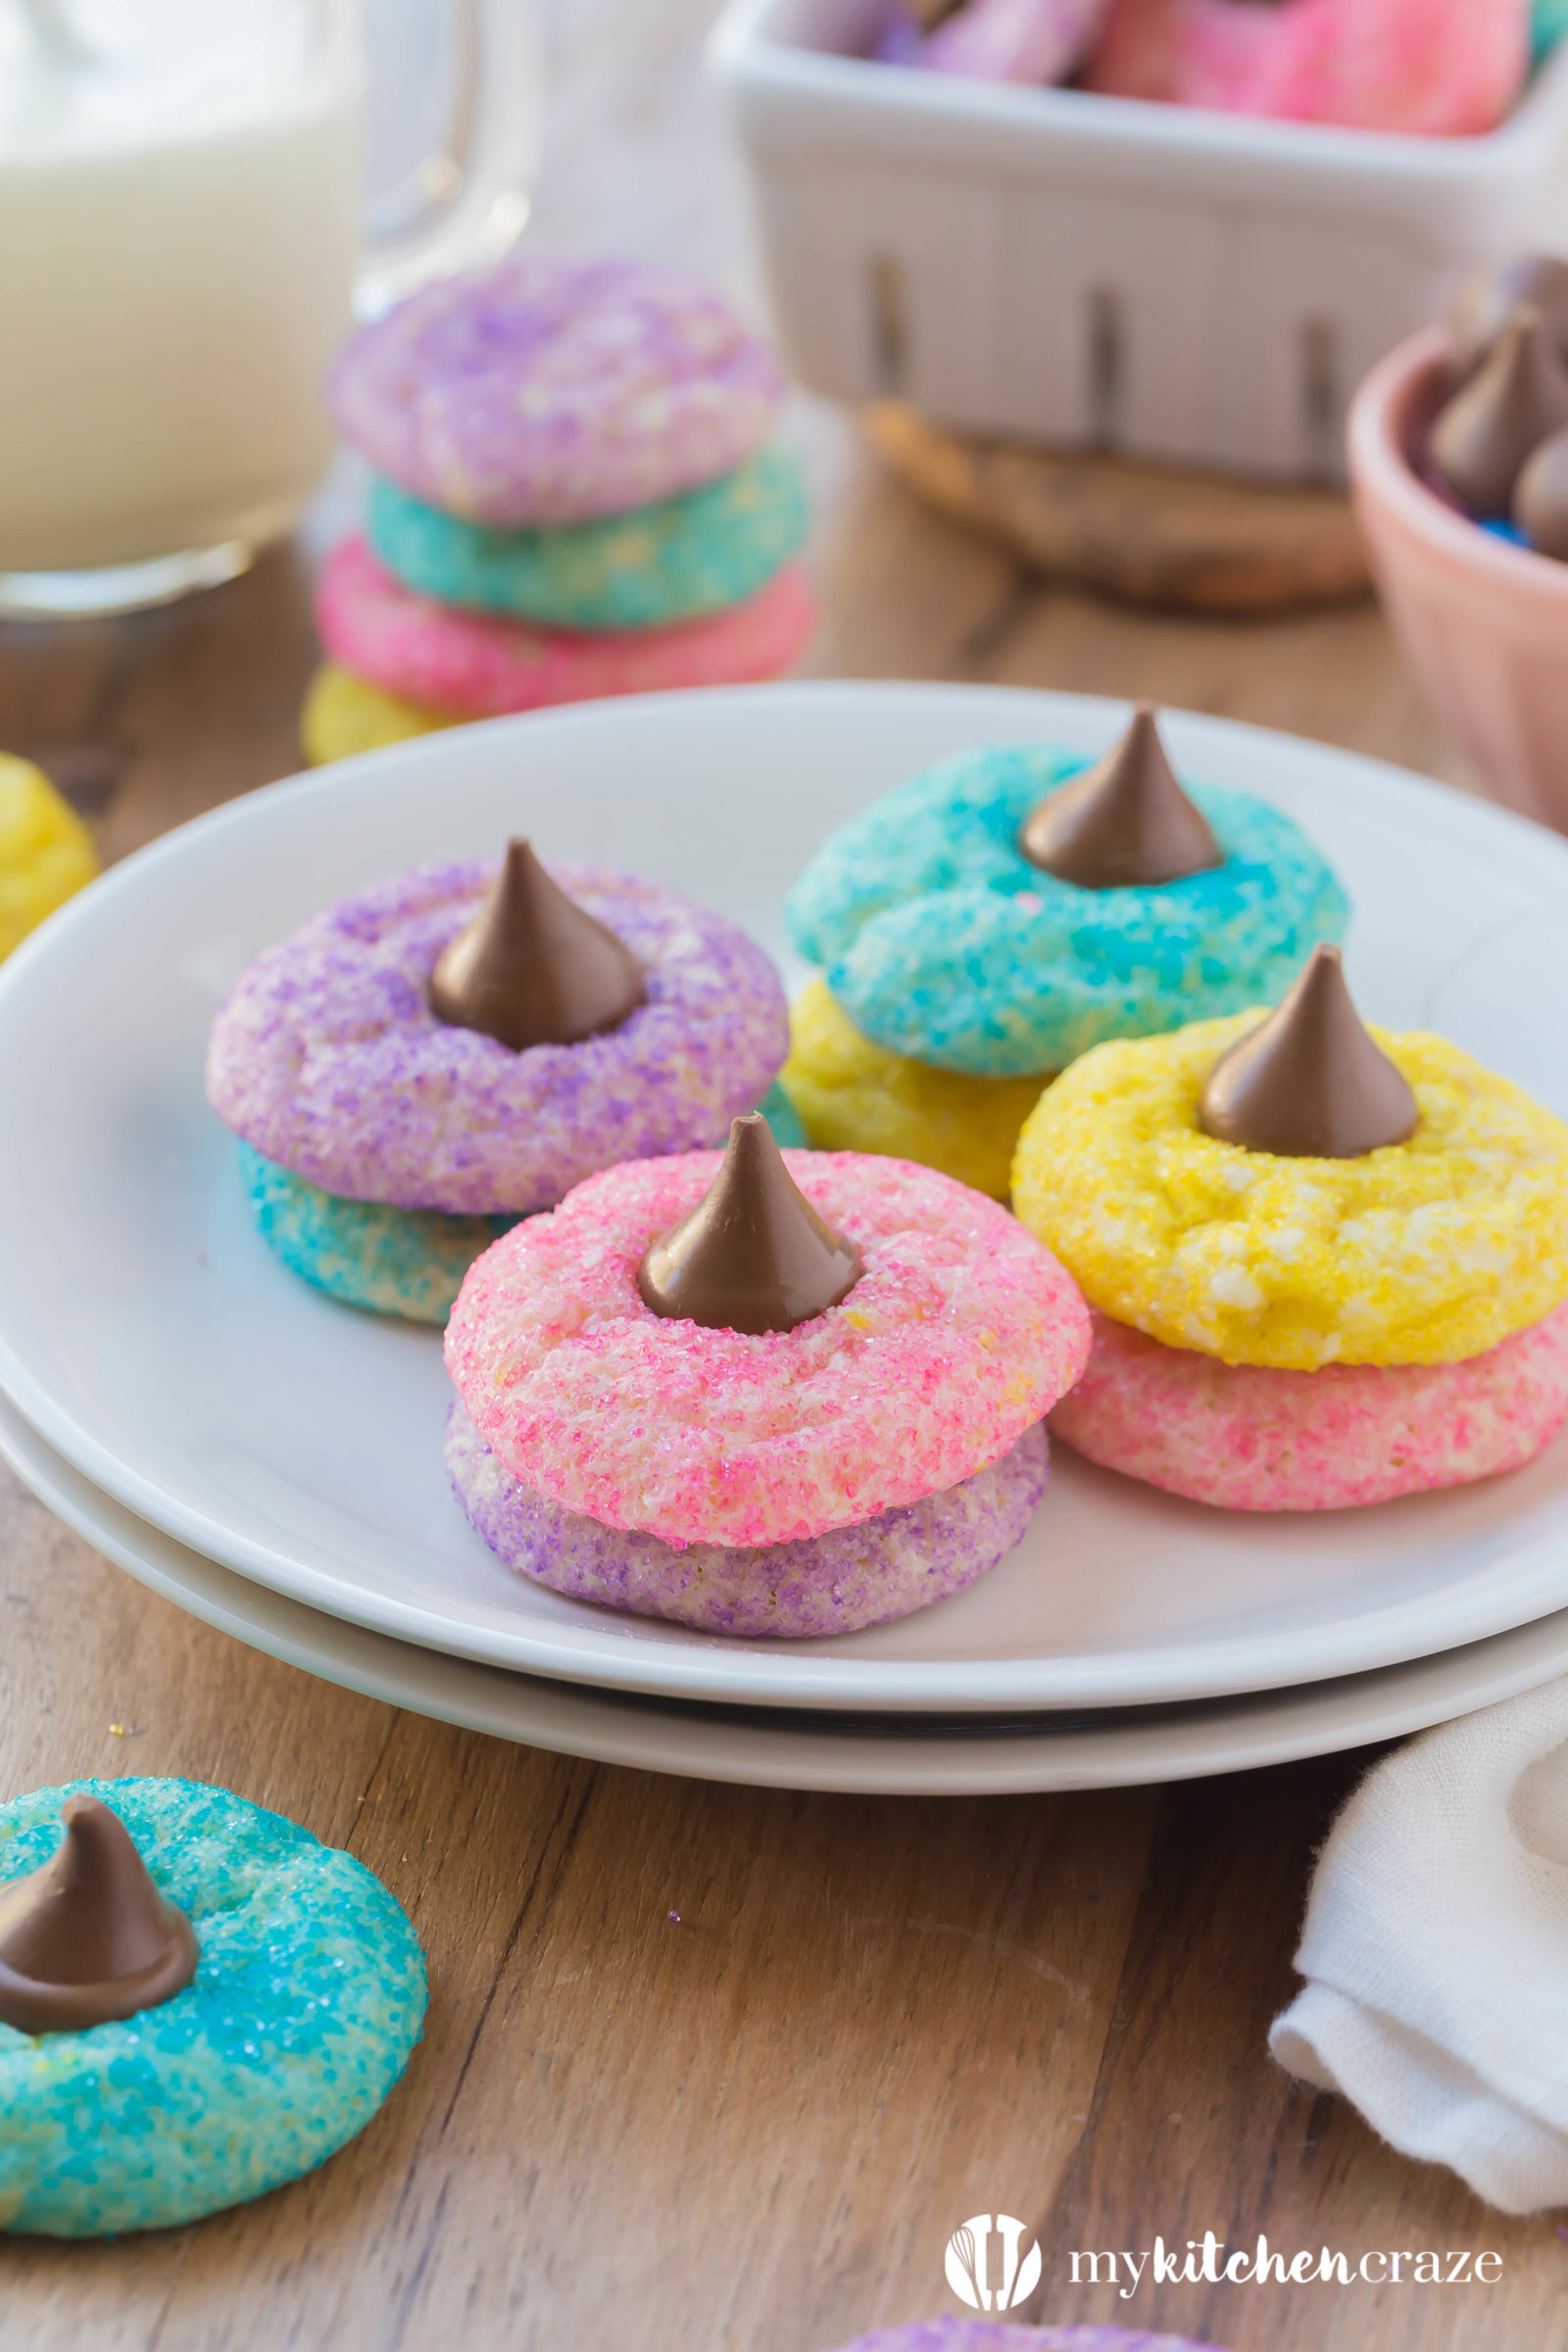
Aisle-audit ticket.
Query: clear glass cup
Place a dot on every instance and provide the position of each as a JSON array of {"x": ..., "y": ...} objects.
[{"x": 183, "y": 243}]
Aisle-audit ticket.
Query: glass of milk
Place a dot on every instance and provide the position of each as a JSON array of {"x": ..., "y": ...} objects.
[{"x": 182, "y": 249}]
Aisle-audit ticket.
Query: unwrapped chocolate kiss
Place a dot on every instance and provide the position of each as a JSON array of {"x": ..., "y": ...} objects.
[
  {"x": 1123, "y": 822},
  {"x": 754, "y": 1255},
  {"x": 1310, "y": 1082}
]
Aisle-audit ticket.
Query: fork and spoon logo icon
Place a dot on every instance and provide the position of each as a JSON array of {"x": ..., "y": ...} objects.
[{"x": 969, "y": 2268}]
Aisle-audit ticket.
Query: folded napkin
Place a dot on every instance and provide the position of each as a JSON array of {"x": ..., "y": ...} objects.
[{"x": 1436, "y": 1952}]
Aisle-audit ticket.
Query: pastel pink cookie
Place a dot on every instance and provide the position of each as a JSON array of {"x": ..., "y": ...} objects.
[
  {"x": 1434, "y": 66},
  {"x": 961, "y": 1331},
  {"x": 479, "y": 668},
  {"x": 1252, "y": 1439},
  {"x": 1014, "y": 41},
  {"x": 552, "y": 389}
]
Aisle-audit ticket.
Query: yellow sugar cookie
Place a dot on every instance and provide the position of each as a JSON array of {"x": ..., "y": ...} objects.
[
  {"x": 1422, "y": 1252},
  {"x": 852, "y": 1096},
  {"x": 344, "y": 715},
  {"x": 46, "y": 852}
]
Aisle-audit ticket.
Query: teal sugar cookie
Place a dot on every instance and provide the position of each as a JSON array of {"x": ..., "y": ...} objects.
[
  {"x": 678, "y": 561},
  {"x": 308, "y": 1997},
  {"x": 395, "y": 1261},
  {"x": 944, "y": 944},
  {"x": 789, "y": 1131}
]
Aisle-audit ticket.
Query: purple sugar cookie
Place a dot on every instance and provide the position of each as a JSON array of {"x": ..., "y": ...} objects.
[
  {"x": 1254, "y": 1437},
  {"x": 828, "y": 1583},
  {"x": 478, "y": 667},
  {"x": 327, "y": 1058},
  {"x": 552, "y": 390},
  {"x": 957, "y": 2334}
]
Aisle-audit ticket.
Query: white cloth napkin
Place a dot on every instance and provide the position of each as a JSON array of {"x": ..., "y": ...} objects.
[{"x": 1436, "y": 1952}]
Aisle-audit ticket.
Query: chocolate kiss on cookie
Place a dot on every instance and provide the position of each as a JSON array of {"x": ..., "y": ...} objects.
[
  {"x": 1483, "y": 435},
  {"x": 754, "y": 1255},
  {"x": 1538, "y": 278},
  {"x": 88, "y": 1937},
  {"x": 1124, "y": 821},
  {"x": 534, "y": 967},
  {"x": 1540, "y": 498},
  {"x": 1310, "y": 1082}
]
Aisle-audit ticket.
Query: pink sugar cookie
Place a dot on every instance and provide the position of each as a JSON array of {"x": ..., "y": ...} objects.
[
  {"x": 961, "y": 1331},
  {"x": 1253, "y": 1439},
  {"x": 1438, "y": 67},
  {"x": 480, "y": 668}
]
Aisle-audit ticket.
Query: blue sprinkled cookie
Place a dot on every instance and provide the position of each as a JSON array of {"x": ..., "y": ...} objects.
[
  {"x": 779, "y": 1111},
  {"x": 154, "y": 2094},
  {"x": 679, "y": 561},
  {"x": 946, "y": 941},
  {"x": 395, "y": 1261}
]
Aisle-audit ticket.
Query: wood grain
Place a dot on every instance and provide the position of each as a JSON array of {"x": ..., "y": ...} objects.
[
  {"x": 1152, "y": 534},
  {"x": 748, "y": 2128}
]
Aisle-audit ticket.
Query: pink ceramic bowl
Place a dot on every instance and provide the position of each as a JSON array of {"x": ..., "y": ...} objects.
[{"x": 1485, "y": 625}]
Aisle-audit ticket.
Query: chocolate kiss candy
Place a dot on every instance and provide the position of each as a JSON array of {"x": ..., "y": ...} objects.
[
  {"x": 1540, "y": 498},
  {"x": 1538, "y": 278},
  {"x": 1483, "y": 435},
  {"x": 1125, "y": 820},
  {"x": 1310, "y": 1082},
  {"x": 754, "y": 1254},
  {"x": 534, "y": 967},
  {"x": 89, "y": 1937}
]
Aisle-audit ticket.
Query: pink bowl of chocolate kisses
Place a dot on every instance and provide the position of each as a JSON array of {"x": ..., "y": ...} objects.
[{"x": 1481, "y": 613}]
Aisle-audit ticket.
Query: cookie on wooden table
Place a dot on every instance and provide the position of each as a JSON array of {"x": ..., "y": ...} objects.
[{"x": 253, "y": 1999}]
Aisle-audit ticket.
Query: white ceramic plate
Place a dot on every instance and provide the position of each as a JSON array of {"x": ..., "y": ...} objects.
[
  {"x": 148, "y": 1333},
  {"x": 922, "y": 1755}
]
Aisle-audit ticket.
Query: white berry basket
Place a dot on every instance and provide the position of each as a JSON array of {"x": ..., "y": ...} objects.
[{"x": 1086, "y": 272}]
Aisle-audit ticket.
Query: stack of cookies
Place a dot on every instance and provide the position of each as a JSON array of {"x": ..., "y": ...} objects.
[
  {"x": 1329, "y": 1265},
  {"x": 577, "y": 491},
  {"x": 982, "y": 925}
]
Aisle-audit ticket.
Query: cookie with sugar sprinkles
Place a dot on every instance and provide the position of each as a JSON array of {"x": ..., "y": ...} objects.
[
  {"x": 264, "y": 2049},
  {"x": 437, "y": 657},
  {"x": 959, "y": 1333},
  {"x": 837, "y": 1582},
  {"x": 679, "y": 561},
  {"x": 1250, "y": 1438},
  {"x": 553, "y": 390},
  {"x": 1424, "y": 1252},
  {"x": 944, "y": 942},
  {"x": 329, "y": 1060}
]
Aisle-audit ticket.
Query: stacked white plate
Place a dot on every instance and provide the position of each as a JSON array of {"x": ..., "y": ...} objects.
[{"x": 272, "y": 1462}]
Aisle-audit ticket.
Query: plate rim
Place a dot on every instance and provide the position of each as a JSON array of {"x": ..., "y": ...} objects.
[{"x": 597, "y": 1726}]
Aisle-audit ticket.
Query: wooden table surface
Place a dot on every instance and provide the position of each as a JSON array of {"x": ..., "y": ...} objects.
[{"x": 754, "y": 2127}]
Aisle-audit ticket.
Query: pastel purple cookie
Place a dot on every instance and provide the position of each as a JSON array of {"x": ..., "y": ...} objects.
[
  {"x": 828, "y": 1583},
  {"x": 1251, "y": 1438},
  {"x": 957, "y": 2334},
  {"x": 551, "y": 390},
  {"x": 328, "y": 1060},
  {"x": 481, "y": 667},
  {"x": 1015, "y": 40}
]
